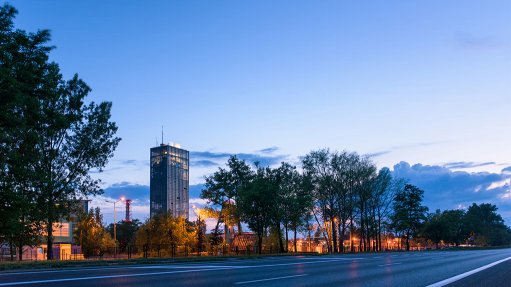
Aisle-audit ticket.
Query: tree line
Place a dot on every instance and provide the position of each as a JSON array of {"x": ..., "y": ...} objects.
[{"x": 351, "y": 203}]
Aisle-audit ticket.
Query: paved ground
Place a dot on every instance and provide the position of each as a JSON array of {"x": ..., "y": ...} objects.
[{"x": 390, "y": 269}]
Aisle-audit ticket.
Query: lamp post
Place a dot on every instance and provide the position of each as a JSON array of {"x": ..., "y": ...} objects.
[{"x": 115, "y": 225}]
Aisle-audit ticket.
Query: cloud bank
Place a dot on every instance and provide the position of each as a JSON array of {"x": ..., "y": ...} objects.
[
  {"x": 448, "y": 189},
  {"x": 265, "y": 157}
]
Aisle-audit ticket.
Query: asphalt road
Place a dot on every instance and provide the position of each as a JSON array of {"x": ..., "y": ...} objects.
[{"x": 386, "y": 269}]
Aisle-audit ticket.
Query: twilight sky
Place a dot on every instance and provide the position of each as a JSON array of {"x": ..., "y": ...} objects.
[{"x": 422, "y": 86}]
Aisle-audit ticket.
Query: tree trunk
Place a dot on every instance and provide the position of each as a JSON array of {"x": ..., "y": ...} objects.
[
  {"x": 294, "y": 241},
  {"x": 352, "y": 248},
  {"x": 281, "y": 244},
  {"x": 20, "y": 248},
  {"x": 342, "y": 234},
  {"x": 407, "y": 241},
  {"x": 260, "y": 244},
  {"x": 11, "y": 247},
  {"x": 378, "y": 234},
  {"x": 49, "y": 241},
  {"x": 334, "y": 236},
  {"x": 287, "y": 239}
]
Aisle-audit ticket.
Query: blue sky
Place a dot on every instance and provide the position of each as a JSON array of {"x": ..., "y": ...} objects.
[{"x": 421, "y": 82}]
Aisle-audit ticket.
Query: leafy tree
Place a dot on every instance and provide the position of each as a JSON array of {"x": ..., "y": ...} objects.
[
  {"x": 163, "y": 231},
  {"x": 454, "y": 225},
  {"x": 23, "y": 61},
  {"x": 487, "y": 225},
  {"x": 434, "y": 228},
  {"x": 317, "y": 167},
  {"x": 409, "y": 213},
  {"x": 383, "y": 195},
  {"x": 256, "y": 202},
  {"x": 294, "y": 202},
  {"x": 67, "y": 138},
  {"x": 125, "y": 232},
  {"x": 92, "y": 236},
  {"x": 365, "y": 173},
  {"x": 344, "y": 166},
  {"x": 222, "y": 190}
]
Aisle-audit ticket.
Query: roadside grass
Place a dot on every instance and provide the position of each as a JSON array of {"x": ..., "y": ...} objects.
[{"x": 56, "y": 264}]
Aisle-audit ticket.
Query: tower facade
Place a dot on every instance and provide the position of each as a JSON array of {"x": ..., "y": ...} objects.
[{"x": 169, "y": 184}]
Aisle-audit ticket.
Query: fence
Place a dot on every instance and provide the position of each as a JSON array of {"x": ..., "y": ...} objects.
[{"x": 143, "y": 251}]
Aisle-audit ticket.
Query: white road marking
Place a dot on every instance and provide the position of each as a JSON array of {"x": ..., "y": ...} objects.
[
  {"x": 102, "y": 277},
  {"x": 64, "y": 270},
  {"x": 163, "y": 272},
  {"x": 270, "y": 279},
  {"x": 463, "y": 275},
  {"x": 383, "y": 265},
  {"x": 170, "y": 266},
  {"x": 334, "y": 258}
]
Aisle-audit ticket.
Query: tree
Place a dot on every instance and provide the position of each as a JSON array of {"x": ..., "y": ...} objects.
[
  {"x": 344, "y": 166},
  {"x": 222, "y": 190},
  {"x": 454, "y": 225},
  {"x": 317, "y": 167},
  {"x": 384, "y": 188},
  {"x": 256, "y": 202},
  {"x": 23, "y": 61},
  {"x": 294, "y": 202},
  {"x": 365, "y": 174},
  {"x": 90, "y": 233},
  {"x": 434, "y": 228},
  {"x": 67, "y": 137},
  {"x": 486, "y": 225},
  {"x": 125, "y": 232},
  {"x": 409, "y": 213},
  {"x": 165, "y": 232}
]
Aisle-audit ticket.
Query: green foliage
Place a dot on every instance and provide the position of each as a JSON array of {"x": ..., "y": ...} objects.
[
  {"x": 486, "y": 226},
  {"x": 480, "y": 225},
  {"x": 50, "y": 138},
  {"x": 409, "y": 213},
  {"x": 91, "y": 235},
  {"x": 223, "y": 187},
  {"x": 23, "y": 59},
  {"x": 165, "y": 232},
  {"x": 256, "y": 202},
  {"x": 125, "y": 232}
]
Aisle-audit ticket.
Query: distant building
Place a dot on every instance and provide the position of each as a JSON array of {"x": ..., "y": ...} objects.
[
  {"x": 169, "y": 190},
  {"x": 65, "y": 246}
]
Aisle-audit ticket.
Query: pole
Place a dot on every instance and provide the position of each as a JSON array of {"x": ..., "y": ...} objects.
[
  {"x": 115, "y": 232},
  {"x": 199, "y": 235}
]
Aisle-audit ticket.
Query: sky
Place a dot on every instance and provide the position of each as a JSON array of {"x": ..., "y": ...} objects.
[{"x": 423, "y": 87}]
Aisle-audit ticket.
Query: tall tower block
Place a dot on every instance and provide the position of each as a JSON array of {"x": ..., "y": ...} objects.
[{"x": 169, "y": 183}]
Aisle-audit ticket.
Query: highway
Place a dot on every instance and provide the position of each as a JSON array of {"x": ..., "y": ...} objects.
[{"x": 434, "y": 268}]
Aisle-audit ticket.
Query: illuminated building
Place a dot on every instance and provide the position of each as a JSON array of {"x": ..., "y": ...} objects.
[{"x": 169, "y": 184}]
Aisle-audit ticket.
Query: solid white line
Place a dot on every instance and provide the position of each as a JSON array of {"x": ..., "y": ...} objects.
[
  {"x": 10, "y": 273},
  {"x": 102, "y": 277},
  {"x": 165, "y": 272},
  {"x": 334, "y": 258},
  {"x": 397, "y": 263},
  {"x": 170, "y": 266},
  {"x": 463, "y": 275},
  {"x": 270, "y": 279}
]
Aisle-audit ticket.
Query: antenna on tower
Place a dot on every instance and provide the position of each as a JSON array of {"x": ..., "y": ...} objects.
[
  {"x": 156, "y": 138},
  {"x": 162, "y": 134}
]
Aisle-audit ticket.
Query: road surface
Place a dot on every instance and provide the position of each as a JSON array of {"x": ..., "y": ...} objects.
[{"x": 435, "y": 268}]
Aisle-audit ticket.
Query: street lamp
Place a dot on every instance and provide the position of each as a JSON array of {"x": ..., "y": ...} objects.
[{"x": 115, "y": 225}]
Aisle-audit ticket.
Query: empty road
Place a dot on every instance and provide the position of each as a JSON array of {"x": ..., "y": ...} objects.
[{"x": 447, "y": 268}]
